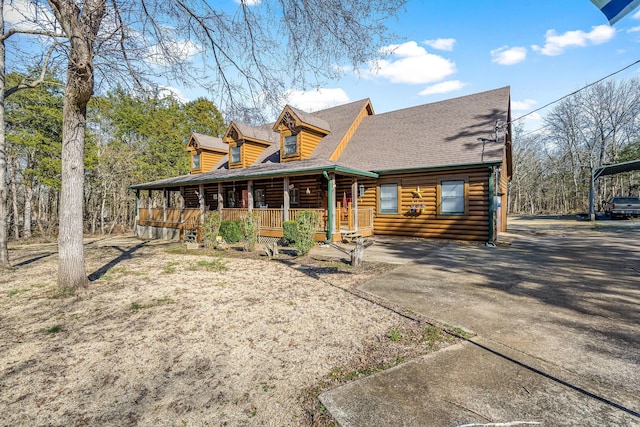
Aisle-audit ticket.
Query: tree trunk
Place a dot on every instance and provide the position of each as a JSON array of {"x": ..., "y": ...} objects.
[
  {"x": 81, "y": 27},
  {"x": 28, "y": 195},
  {"x": 4, "y": 207},
  {"x": 14, "y": 199},
  {"x": 71, "y": 269}
]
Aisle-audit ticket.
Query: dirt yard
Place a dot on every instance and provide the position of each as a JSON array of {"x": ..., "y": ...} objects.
[{"x": 165, "y": 336}]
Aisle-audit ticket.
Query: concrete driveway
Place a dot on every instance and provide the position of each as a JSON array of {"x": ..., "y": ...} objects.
[{"x": 556, "y": 315}]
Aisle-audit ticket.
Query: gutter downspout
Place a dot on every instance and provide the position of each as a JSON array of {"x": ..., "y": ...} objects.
[
  {"x": 330, "y": 207},
  {"x": 491, "y": 209}
]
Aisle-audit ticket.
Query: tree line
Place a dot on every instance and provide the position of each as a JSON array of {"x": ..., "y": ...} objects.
[
  {"x": 596, "y": 126},
  {"x": 131, "y": 138}
]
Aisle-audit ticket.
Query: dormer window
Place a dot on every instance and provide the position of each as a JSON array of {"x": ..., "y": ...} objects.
[
  {"x": 195, "y": 161},
  {"x": 290, "y": 145},
  {"x": 235, "y": 154}
]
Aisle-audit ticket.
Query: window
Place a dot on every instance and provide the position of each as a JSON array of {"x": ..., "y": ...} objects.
[
  {"x": 294, "y": 196},
  {"x": 259, "y": 199},
  {"x": 452, "y": 197},
  {"x": 231, "y": 199},
  {"x": 195, "y": 161},
  {"x": 388, "y": 198},
  {"x": 235, "y": 154},
  {"x": 290, "y": 145}
]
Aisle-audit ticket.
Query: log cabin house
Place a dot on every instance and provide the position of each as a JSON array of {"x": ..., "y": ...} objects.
[{"x": 435, "y": 170}]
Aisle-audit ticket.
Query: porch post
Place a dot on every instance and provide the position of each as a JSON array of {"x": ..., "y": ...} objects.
[
  {"x": 164, "y": 205},
  {"x": 220, "y": 197},
  {"x": 181, "y": 204},
  {"x": 164, "y": 213},
  {"x": 201, "y": 202},
  {"x": 135, "y": 228},
  {"x": 354, "y": 202},
  {"x": 149, "y": 212},
  {"x": 285, "y": 211},
  {"x": 250, "y": 195},
  {"x": 331, "y": 204}
]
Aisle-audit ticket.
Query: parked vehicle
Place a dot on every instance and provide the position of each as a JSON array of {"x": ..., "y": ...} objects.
[{"x": 623, "y": 207}]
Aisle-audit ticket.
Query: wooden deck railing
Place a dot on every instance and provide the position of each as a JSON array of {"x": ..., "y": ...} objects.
[{"x": 270, "y": 219}]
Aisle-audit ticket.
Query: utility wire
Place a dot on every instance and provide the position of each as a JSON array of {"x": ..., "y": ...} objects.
[{"x": 576, "y": 91}]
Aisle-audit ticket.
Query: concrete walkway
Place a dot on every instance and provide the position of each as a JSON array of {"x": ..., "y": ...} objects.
[{"x": 557, "y": 323}]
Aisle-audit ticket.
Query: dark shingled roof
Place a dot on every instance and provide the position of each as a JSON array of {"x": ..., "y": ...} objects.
[
  {"x": 262, "y": 133},
  {"x": 341, "y": 118},
  {"x": 212, "y": 142},
  {"x": 443, "y": 133},
  {"x": 311, "y": 119}
]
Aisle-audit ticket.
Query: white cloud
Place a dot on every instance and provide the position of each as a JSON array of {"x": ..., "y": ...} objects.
[
  {"x": 555, "y": 44},
  {"x": 173, "y": 91},
  {"x": 444, "y": 87},
  {"x": 315, "y": 100},
  {"x": 248, "y": 2},
  {"x": 506, "y": 55},
  {"x": 412, "y": 64},
  {"x": 27, "y": 15},
  {"x": 525, "y": 105},
  {"x": 633, "y": 29},
  {"x": 636, "y": 15},
  {"x": 441, "y": 44}
]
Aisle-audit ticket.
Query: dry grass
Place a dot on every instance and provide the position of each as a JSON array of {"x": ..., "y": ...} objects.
[{"x": 164, "y": 336}]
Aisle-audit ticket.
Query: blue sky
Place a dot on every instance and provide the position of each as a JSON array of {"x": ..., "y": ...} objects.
[
  {"x": 543, "y": 49},
  {"x": 445, "y": 49}
]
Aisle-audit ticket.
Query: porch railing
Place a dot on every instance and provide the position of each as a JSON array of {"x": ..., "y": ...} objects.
[{"x": 270, "y": 219}]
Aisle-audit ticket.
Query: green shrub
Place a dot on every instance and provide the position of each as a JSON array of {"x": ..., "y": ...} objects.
[
  {"x": 250, "y": 227},
  {"x": 307, "y": 222},
  {"x": 290, "y": 232},
  {"x": 211, "y": 229},
  {"x": 230, "y": 231}
]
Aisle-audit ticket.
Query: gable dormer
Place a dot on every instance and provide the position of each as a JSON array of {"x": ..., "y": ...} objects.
[
  {"x": 245, "y": 144},
  {"x": 300, "y": 133},
  {"x": 205, "y": 152}
]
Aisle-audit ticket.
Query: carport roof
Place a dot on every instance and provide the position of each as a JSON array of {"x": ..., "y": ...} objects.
[{"x": 617, "y": 168}]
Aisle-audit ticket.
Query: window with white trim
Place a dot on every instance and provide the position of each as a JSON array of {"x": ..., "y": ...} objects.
[
  {"x": 290, "y": 145},
  {"x": 389, "y": 198},
  {"x": 294, "y": 196},
  {"x": 452, "y": 197}
]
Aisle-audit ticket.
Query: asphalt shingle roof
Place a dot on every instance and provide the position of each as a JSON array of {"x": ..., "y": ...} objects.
[
  {"x": 212, "y": 142},
  {"x": 438, "y": 134}
]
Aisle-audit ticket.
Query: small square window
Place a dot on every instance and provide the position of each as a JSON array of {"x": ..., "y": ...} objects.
[
  {"x": 195, "y": 161},
  {"x": 290, "y": 145},
  {"x": 452, "y": 198},
  {"x": 389, "y": 198},
  {"x": 235, "y": 154}
]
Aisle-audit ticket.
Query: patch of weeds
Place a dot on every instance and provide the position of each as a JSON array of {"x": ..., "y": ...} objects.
[
  {"x": 266, "y": 386},
  {"x": 432, "y": 335},
  {"x": 336, "y": 264},
  {"x": 154, "y": 303},
  {"x": 215, "y": 264},
  {"x": 15, "y": 291},
  {"x": 53, "y": 330},
  {"x": 170, "y": 268},
  {"x": 394, "y": 335},
  {"x": 462, "y": 333}
]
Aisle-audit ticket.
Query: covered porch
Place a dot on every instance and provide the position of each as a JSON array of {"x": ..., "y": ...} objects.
[{"x": 168, "y": 212}]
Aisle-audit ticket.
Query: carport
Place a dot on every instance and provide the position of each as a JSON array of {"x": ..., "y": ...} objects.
[{"x": 608, "y": 170}]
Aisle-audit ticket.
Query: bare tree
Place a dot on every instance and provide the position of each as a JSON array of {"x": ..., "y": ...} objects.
[{"x": 254, "y": 54}]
